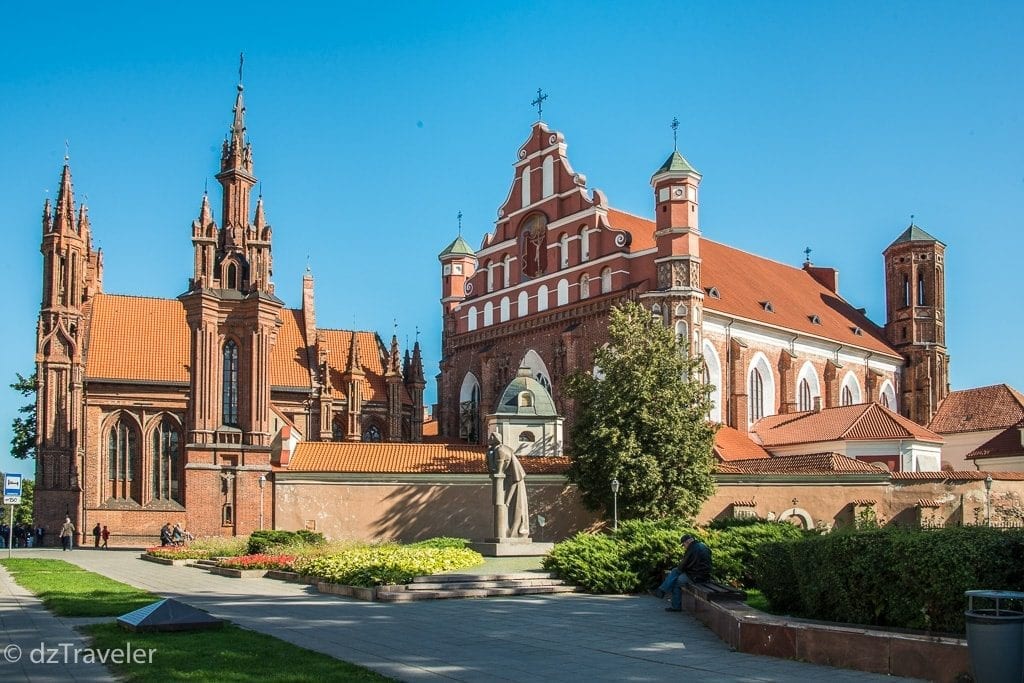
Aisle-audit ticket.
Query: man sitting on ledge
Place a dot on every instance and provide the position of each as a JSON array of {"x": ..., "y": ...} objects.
[{"x": 695, "y": 567}]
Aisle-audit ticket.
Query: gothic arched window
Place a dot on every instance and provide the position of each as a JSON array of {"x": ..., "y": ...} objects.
[
  {"x": 166, "y": 461},
  {"x": 229, "y": 389},
  {"x": 906, "y": 290},
  {"x": 920, "y": 289},
  {"x": 756, "y": 395},
  {"x": 232, "y": 276},
  {"x": 122, "y": 452},
  {"x": 372, "y": 434}
]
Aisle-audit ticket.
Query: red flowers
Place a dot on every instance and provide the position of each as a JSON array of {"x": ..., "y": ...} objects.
[{"x": 260, "y": 561}]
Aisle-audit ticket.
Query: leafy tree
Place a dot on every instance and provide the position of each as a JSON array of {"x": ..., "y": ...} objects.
[
  {"x": 23, "y": 513},
  {"x": 643, "y": 421},
  {"x": 23, "y": 443}
]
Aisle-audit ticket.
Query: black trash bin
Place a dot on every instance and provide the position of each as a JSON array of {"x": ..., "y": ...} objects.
[{"x": 995, "y": 636}]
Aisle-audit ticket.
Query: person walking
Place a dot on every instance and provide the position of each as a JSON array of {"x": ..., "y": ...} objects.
[
  {"x": 695, "y": 567},
  {"x": 67, "y": 535},
  {"x": 96, "y": 534},
  {"x": 106, "y": 536}
]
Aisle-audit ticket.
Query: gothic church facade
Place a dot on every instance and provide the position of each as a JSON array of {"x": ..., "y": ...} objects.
[
  {"x": 153, "y": 410},
  {"x": 775, "y": 339}
]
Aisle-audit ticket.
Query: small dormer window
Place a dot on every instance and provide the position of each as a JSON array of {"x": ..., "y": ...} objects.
[
  {"x": 714, "y": 293},
  {"x": 857, "y": 331},
  {"x": 526, "y": 399},
  {"x": 767, "y": 306},
  {"x": 815, "y": 320},
  {"x": 526, "y": 437}
]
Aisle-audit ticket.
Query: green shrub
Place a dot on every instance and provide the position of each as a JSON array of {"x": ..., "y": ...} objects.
[
  {"x": 441, "y": 542},
  {"x": 594, "y": 562},
  {"x": 375, "y": 565},
  {"x": 734, "y": 547},
  {"x": 272, "y": 540},
  {"x": 890, "y": 577}
]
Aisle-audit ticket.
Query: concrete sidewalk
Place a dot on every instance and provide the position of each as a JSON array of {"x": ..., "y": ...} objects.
[{"x": 531, "y": 638}]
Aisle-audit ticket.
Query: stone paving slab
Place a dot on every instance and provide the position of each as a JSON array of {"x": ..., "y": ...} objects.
[{"x": 531, "y": 638}]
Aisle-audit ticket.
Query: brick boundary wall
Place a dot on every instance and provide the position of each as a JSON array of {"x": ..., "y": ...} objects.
[{"x": 850, "y": 647}]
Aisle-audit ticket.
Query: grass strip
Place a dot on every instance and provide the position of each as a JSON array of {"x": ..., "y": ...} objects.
[
  {"x": 228, "y": 655},
  {"x": 70, "y": 591}
]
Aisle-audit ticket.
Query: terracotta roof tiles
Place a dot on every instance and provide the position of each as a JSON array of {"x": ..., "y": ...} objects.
[
  {"x": 289, "y": 366},
  {"x": 980, "y": 409},
  {"x": 732, "y": 444},
  {"x": 1007, "y": 443},
  {"x": 406, "y": 458},
  {"x": 859, "y": 422},
  {"x": 641, "y": 229},
  {"x": 137, "y": 338},
  {"x": 814, "y": 463}
]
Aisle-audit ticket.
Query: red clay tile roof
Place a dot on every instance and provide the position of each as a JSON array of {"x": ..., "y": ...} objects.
[
  {"x": 732, "y": 444},
  {"x": 371, "y": 358},
  {"x": 289, "y": 366},
  {"x": 980, "y": 409},
  {"x": 137, "y": 339},
  {"x": 814, "y": 463},
  {"x": 1004, "y": 444},
  {"x": 859, "y": 422},
  {"x": 744, "y": 281},
  {"x": 928, "y": 503},
  {"x": 641, "y": 229},
  {"x": 863, "y": 502},
  {"x": 406, "y": 458},
  {"x": 959, "y": 475},
  {"x": 430, "y": 427}
]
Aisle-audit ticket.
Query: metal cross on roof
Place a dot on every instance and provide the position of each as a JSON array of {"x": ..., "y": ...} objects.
[
  {"x": 675, "y": 130},
  {"x": 460, "y": 223},
  {"x": 67, "y": 150},
  {"x": 911, "y": 219},
  {"x": 417, "y": 334},
  {"x": 539, "y": 103},
  {"x": 807, "y": 255},
  {"x": 241, "y": 61}
]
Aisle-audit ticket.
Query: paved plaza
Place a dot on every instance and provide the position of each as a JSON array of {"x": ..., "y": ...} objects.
[{"x": 530, "y": 638}]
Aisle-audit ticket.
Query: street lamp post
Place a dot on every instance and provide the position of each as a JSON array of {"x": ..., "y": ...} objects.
[
  {"x": 615, "y": 504},
  {"x": 263, "y": 481},
  {"x": 988, "y": 500}
]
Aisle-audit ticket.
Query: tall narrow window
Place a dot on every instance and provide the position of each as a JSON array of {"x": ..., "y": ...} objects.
[
  {"x": 506, "y": 271},
  {"x": 920, "y": 289},
  {"x": 584, "y": 245},
  {"x": 847, "y": 399},
  {"x": 122, "y": 449},
  {"x": 805, "y": 395},
  {"x": 606, "y": 280},
  {"x": 523, "y": 304},
  {"x": 547, "y": 182},
  {"x": 584, "y": 286},
  {"x": 229, "y": 398},
  {"x": 756, "y": 395},
  {"x": 232, "y": 276},
  {"x": 563, "y": 251},
  {"x": 490, "y": 276},
  {"x": 166, "y": 461},
  {"x": 906, "y": 289}
]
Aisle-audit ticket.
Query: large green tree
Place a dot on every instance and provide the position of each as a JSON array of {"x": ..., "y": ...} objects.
[
  {"x": 643, "y": 420},
  {"x": 23, "y": 443}
]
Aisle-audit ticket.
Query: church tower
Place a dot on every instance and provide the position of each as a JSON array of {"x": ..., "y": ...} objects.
[
  {"x": 233, "y": 318},
  {"x": 458, "y": 263},
  {"x": 72, "y": 275},
  {"x": 679, "y": 295},
  {"x": 915, "y": 292}
]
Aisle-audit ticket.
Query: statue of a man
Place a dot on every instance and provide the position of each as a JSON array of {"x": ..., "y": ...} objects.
[{"x": 501, "y": 460}]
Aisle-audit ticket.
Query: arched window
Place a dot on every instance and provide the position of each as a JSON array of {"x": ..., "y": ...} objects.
[
  {"x": 563, "y": 292},
  {"x": 523, "y": 304},
  {"x": 526, "y": 437},
  {"x": 122, "y": 451},
  {"x": 920, "y": 288},
  {"x": 847, "y": 399},
  {"x": 805, "y": 396},
  {"x": 584, "y": 286},
  {"x": 74, "y": 279},
  {"x": 850, "y": 393},
  {"x": 606, "y": 280},
  {"x": 488, "y": 314},
  {"x": 469, "y": 408},
  {"x": 490, "y": 276},
  {"x": 682, "y": 332},
  {"x": 887, "y": 396},
  {"x": 232, "y": 276},
  {"x": 713, "y": 377},
  {"x": 756, "y": 395},
  {"x": 542, "y": 298},
  {"x": 229, "y": 388},
  {"x": 372, "y": 434},
  {"x": 504, "y": 309},
  {"x": 507, "y": 270},
  {"x": 538, "y": 368},
  {"x": 563, "y": 251},
  {"x": 906, "y": 289},
  {"x": 471, "y": 318},
  {"x": 166, "y": 464},
  {"x": 547, "y": 187},
  {"x": 584, "y": 245},
  {"x": 526, "y": 186}
]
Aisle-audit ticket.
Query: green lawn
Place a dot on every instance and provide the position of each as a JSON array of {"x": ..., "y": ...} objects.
[
  {"x": 228, "y": 655},
  {"x": 70, "y": 591}
]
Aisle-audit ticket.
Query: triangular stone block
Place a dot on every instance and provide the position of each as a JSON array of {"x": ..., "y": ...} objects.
[{"x": 168, "y": 615}]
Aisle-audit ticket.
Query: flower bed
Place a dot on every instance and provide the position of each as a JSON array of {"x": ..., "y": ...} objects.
[
  {"x": 375, "y": 565},
  {"x": 258, "y": 561}
]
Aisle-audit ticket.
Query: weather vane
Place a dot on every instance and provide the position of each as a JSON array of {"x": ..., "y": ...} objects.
[
  {"x": 67, "y": 150},
  {"x": 911, "y": 219},
  {"x": 675, "y": 130},
  {"x": 241, "y": 61},
  {"x": 417, "y": 334},
  {"x": 539, "y": 103},
  {"x": 460, "y": 222},
  {"x": 807, "y": 255}
]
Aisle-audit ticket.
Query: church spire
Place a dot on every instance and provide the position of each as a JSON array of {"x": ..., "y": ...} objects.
[
  {"x": 65, "y": 209},
  {"x": 236, "y": 171},
  {"x": 394, "y": 359},
  {"x": 353, "y": 367},
  {"x": 416, "y": 369}
]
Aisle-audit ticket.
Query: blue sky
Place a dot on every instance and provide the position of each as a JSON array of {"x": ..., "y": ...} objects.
[{"x": 814, "y": 124}]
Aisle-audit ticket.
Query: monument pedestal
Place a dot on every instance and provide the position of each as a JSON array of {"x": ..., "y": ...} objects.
[{"x": 511, "y": 547}]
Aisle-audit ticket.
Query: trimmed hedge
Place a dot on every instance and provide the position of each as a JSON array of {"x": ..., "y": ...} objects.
[
  {"x": 636, "y": 556},
  {"x": 890, "y": 577},
  {"x": 376, "y": 565},
  {"x": 269, "y": 539}
]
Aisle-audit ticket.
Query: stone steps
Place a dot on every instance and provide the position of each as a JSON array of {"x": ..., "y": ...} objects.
[{"x": 449, "y": 586}]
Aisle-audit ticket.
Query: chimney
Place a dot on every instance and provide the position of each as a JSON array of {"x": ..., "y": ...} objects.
[{"x": 829, "y": 277}]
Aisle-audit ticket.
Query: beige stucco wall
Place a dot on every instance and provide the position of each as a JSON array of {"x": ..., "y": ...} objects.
[
  {"x": 415, "y": 507},
  {"x": 960, "y": 444}
]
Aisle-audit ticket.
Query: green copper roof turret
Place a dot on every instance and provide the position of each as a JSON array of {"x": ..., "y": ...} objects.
[{"x": 457, "y": 248}]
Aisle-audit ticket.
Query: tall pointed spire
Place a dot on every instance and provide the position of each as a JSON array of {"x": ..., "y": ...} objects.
[
  {"x": 416, "y": 368},
  {"x": 47, "y": 216},
  {"x": 353, "y": 367},
  {"x": 261, "y": 220},
  {"x": 205, "y": 214},
  {"x": 394, "y": 359},
  {"x": 238, "y": 125},
  {"x": 65, "y": 209}
]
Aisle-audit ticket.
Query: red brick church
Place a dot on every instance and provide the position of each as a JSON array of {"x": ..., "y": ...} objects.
[
  {"x": 153, "y": 410},
  {"x": 776, "y": 339}
]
